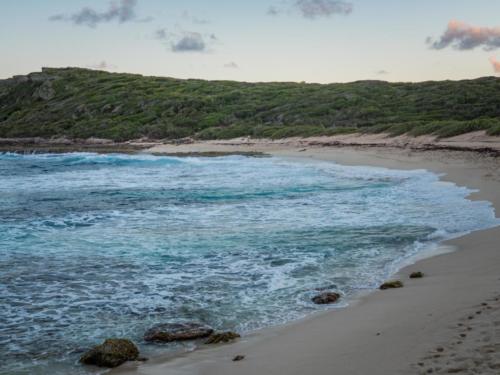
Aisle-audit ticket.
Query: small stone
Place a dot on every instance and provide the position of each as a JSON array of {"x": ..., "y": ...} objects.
[
  {"x": 440, "y": 349},
  {"x": 239, "y": 357},
  {"x": 391, "y": 284},
  {"x": 326, "y": 298},
  {"x": 111, "y": 353},
  {"x": 416, "y": 275}
]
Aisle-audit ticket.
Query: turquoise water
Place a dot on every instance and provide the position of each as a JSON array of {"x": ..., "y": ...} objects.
[{"x": 95, "y": 246}]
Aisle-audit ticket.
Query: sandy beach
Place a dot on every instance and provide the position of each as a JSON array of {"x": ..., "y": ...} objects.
[{"x": 446, "y": 322}]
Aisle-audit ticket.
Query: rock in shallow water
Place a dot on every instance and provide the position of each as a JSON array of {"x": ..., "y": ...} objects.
[
  {"x": 111, "y": 353},
  {"x": 326, "y": 298},
  {"x": 169, "y": 332},
  {"x": 391, "y": 285},
  {"x": 222, "y": 337}
]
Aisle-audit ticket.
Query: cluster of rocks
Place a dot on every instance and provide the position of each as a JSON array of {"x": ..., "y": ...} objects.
[
  {"x": 114, "y": 352},
  {"x": 394, "y": 284}
]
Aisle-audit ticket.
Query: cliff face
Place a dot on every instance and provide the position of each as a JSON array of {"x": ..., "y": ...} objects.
[{"x": 81, "y": 103}]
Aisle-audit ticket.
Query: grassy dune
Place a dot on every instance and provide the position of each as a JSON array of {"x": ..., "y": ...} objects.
[{"x": 81, "y": 103}]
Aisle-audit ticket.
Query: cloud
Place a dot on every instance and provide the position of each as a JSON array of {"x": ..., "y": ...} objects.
[
  {"x": 495, "y": 63},
  {"x": 122, "y": 12},
  {"x": 103, "y": 65},
  {"x": 322, "y": 8},
  {"x": 190, "y": 42},
  {"x": 463, "y": 36},
  {"x": 187, "y": 41},
  {"x": 231, "y": 65},
  {"x": 313, "y": 9}
]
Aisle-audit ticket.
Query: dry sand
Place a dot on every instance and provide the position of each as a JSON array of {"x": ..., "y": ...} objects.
[
  {"x": 446, "y": 322},
  {"x": 478, "y": 141}
]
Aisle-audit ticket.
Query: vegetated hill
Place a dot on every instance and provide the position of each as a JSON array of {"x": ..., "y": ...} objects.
[{"x": 81, "y": 103}]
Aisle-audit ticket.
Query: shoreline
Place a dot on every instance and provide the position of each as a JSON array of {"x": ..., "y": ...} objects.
[
  {"x": 382, "y": 332},
  {"x": 478, "y": 142}
]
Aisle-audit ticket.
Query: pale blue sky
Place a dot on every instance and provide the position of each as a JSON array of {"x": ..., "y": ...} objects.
[{"x": 378, "y": 35}]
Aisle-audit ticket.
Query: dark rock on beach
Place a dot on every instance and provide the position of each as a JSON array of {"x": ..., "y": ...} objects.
[
  {"x": 238, "y": 357},
  {"x": 169, "y": 332},
  {"x": 111, "y": 353},
  {"x": 222, "y": 337},
  {"x": 326, "y": 298},
  {"x": 416, "y": 275},
  {"x": 391, "y": 285}
]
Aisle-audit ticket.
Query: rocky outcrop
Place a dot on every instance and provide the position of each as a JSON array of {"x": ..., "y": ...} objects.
[
  {"x": 326, "y": 298},
  {"x": 169, "y": 332},
  {"x": 111, "y": 353},
  {"x": 222, "y": 337},
  {"x": 45, "y": 91},
  {"x": 392, "y": 284}
]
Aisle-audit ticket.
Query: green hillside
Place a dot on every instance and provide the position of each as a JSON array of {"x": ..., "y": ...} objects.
[{"x": 81, "y": 103}]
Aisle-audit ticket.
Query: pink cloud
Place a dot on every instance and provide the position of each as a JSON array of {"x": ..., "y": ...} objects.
[
  {"x": 495, "y": 63},
  {"x": 463, "y": 36}
]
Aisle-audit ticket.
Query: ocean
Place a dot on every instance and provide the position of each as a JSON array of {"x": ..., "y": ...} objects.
[{"x": 107, "y": 245}]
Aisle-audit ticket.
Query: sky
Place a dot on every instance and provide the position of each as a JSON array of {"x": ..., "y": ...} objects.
[{"x": 260, "y": 40}]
